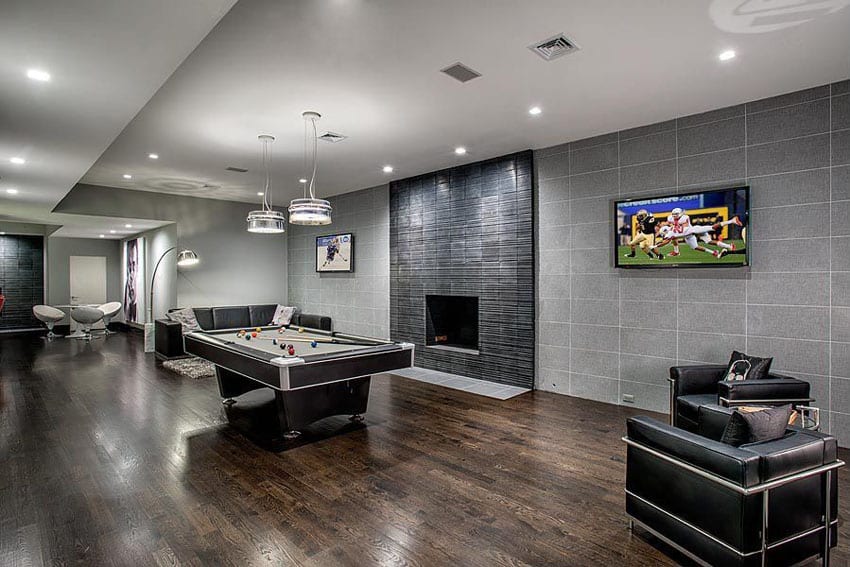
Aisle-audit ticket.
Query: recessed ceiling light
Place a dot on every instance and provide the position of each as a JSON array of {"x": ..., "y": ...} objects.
[
  {"x": 302, "y": 180},
  {"x": 38, "y": 75},
  {"x": 18, "y": 160},
  {"x": 388, "y": 169},
  {"x": 260, "y": 193},
  {"x": 127, "y": 176},
  {"x": 460, "y": 150},
  {"x": 727, "y": 55},
  {"x": 535, "y": 110},
  {"x": 153, "y": 156},
  {"x": 11, "y": 191},
  {"x": 102, "y": 235},
  {"x": 112, "y": 231},
  {"x": 128, "y": 226},
  {"x": 2, "y": 233}
]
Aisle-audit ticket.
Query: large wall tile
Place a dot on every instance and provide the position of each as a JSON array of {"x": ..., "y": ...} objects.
[
  {"x": 553, "y": 166},
  {"x": 841, "y": 112},
  {"x": 647, "y": 177},
  {"x": 710, "y": 116},
  {"x": 716, "y": 166},
  {"x": 646, "y": 369},
  {"x": 648, "y": 396},
  {"x": 720, "y": 135},
  {"x": 654, "y": 147},
  {"x": 708, "y": 348},
  {"x": 840, "y": 359},
  {"x": 648, "y": 342},
  {"x": 648, "y": 314},
  {"x": 789, "y": 289},
  {"x": 841, "y": 183},
  {"x": 595, "y": 337},
  {"x": 596, "y": 363},
  {"x": 841, "y": 147},
  {"x": 593, "y": 158},
  {"x": 787, "y": 99},
  {"x": 788, "y": 322},
  {"x": 811, "y": 186},
  {"x": 712, "y": 317},
  {"x": 788, "y": 155},
  {"x": 785, "y": 256},
  {"x": 595, "y": 184},
  {"x": 596, "y": 312},
  {"x": 788, "y": 122},
  {"x": 594, "y": 388},
  {"x": 792, "y": 355},
  {"x": 808, "y": 221}
]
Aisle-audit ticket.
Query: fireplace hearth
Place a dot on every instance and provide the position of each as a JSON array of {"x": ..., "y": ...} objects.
[{"x": 451, "y": 322}]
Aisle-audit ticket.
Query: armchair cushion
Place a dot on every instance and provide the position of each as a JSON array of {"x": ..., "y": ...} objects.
[
  {"x": 773, "y": 388},
  {"x": 791, "y": 453},
  {"x": 186, "y": 318},
  {"x": 746, "y": 367},
  {"x": 688, "y": 406}
]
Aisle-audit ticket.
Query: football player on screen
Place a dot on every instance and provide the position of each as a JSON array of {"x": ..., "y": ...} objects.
[
  {"x": 689, "y": 235},
  {"x": 646, "y": 227}
]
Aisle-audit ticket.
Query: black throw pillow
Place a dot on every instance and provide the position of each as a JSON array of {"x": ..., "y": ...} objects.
[
  {"x": 745, "y": 367},
  {"x": 755, "y": 426}
]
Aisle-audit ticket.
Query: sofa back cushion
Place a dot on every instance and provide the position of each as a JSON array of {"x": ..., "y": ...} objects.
[
  {"x": 312, "y": 321},
  {"x": 231, "y": 317},
  {"x": 261, "y": 315},
  {"x": 204, "y": 317}
]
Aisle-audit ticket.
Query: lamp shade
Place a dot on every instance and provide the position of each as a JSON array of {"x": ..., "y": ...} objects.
[
  {"x": 266, "y": 222},
  {"x": 310, "y": 212},
  {"x": 187, "y": 258}
]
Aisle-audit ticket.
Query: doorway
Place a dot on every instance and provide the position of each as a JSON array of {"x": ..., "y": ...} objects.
[{"x": 88, "y": 281}]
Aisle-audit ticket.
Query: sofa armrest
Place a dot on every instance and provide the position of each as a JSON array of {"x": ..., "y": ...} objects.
[
  {"x": 793, "y": 453},
  {"x": 168, "y": 339},
  {"x": 718, "y": 459},
  {"x": 320, "y": 322},
  {"x": 701, "y": 379},
  {"x": 767, "y": 390}
]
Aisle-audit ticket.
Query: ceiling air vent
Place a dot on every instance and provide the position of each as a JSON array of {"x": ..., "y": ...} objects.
[
  {"x": 332, "y": 137},
  {"x": 236, "y": 169},
  {"x": 460, "y": 72},
  {"x": 554, "y": 47}
]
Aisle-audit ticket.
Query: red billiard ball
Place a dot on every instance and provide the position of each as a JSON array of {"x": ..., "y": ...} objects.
[
  {"x": 291, "y": 350},
  {"x": 254, "y": 334}
]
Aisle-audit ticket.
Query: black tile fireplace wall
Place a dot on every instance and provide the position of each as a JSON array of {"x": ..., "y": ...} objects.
[
  {"x": 21, "y": 279},
  {"x": 468, "y": 230}
]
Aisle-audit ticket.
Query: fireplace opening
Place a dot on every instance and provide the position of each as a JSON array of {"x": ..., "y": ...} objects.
[{"x": 451, "y": 322}]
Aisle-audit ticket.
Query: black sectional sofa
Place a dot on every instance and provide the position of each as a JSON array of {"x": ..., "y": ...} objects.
[{"x": 169, "y": 334}]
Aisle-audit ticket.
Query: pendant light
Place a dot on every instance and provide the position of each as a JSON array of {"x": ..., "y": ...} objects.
[
  {"x": 267, "y": 220},
  {"x": 310, "y": 210}
]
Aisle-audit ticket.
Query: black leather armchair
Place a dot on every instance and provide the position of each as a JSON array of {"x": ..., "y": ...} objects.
[
  {"x": 771, "y": 503},
  {"x": 694, "y": 386},
  {"x": 169, "y": 334}
]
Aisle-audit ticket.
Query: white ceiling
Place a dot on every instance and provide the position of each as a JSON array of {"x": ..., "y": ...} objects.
[
  {"x": 371, "y": 67},
  {"x": 106, "y": 60}
]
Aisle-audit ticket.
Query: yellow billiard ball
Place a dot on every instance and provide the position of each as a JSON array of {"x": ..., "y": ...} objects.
[
  {"x": 259, "y": 330},
  {"x": 300, "y": 329}
]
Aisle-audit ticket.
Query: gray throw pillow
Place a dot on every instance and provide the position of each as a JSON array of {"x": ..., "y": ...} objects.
[
  {"x": 766, "y": 424},
  {"x": 186, "y": 318}
]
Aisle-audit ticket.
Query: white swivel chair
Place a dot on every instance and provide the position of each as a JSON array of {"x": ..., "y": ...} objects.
[
  {"x": 109, "y": 310},
  {"x": 49, "y": 316},
  {"x": 86, "y": 317}
]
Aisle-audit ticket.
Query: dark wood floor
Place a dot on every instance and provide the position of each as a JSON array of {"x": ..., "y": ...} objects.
[{"x": 107, "y": 459}]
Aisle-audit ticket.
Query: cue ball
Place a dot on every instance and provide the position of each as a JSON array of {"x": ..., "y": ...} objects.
[
  {"x": 280, "y": 330},
  {"x": 314, "y": 344}
]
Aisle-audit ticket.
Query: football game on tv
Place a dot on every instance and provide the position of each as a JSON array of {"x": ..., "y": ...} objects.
[{"x": 703, "y": 228}]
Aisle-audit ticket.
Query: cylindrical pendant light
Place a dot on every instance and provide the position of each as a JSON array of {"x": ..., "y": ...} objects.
[
  {"x": 310, "y": 210},
  {"x": 267, "y": 220}
]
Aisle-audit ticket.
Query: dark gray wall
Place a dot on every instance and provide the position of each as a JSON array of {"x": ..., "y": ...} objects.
[
  {"x": 21, "y": 279},
  {"x": 604, "y": 333},
  {"x": 468, "y": 231},
  {"x": 358, "y": 302},
  {"x": 236, "y": 267}
]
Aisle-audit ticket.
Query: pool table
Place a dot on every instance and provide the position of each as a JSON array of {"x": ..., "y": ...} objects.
[{"x": 327, "y": 374}]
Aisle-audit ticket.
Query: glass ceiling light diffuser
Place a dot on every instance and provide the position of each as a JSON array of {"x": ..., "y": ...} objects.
[
  {"x": 310, "y": 210},
  {"x": 267, "y": 220}
]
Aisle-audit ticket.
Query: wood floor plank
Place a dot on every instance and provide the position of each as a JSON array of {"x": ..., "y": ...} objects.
[{"x": 108, "y": 459}]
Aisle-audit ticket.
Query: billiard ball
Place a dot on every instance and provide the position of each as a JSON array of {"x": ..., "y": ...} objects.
[
  {"x": 300, "y": 329},
  {"x": 291, "y": 351},
  {"x": 282, "y": 346},
  {"x": 314, "y": 344},
  {"x": 254, "y": 334},
  {"x": 280, "y": 330},
  {"x": 259, "y": 330},
  {"x": 274, "y": 341},
  {"x": 247, "y": 337}
]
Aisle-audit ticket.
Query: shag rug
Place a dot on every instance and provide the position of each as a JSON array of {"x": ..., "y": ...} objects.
[{"x": 191, "y": 367}]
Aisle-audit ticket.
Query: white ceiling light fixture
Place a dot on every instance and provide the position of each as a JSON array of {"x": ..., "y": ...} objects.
[
  {"x": 127, "y": 176},
  {"x": 128, "y": 226},
  {"x": 153, "y": 156},
  {"x": 310, "y": 210},
  {"x": 102, "y": 235},
  {"x": 535, "y": 110},
  {"x": 388, "y": 169},
  {"x": 302, "y": 180},
  {"x": 38, "y": 75},
  {"x": 460, "y": 150},
  {"x": 727, "y": 55},
  {"x": 266, "y": 220},
  {"x": 11, "y": 191},
  {"x": 18, "y": 160},
  {"x": 112, "y": 231},
  {"x": 260, "y": 193}
]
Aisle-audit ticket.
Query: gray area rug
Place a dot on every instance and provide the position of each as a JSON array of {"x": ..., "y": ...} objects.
[{"x": 191, "y": 367}]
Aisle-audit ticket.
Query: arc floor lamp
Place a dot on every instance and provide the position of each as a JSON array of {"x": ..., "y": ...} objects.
[{"x": 184, "y": 258}]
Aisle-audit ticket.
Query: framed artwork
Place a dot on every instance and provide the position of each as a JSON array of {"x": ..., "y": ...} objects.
[
  {"x": 134, "y": 280},
  {"x": 335, "y": 253}
]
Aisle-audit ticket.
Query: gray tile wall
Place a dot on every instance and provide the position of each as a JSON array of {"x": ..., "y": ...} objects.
[
  {"x": 358, "y": 302},
  {"x": 792, "y": 304},
  {"x": 468, "y": 231},
  {"x": 21, "y": 280}
]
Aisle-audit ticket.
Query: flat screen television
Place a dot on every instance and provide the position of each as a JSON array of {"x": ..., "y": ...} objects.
[{"x": 695, "y": 229}]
